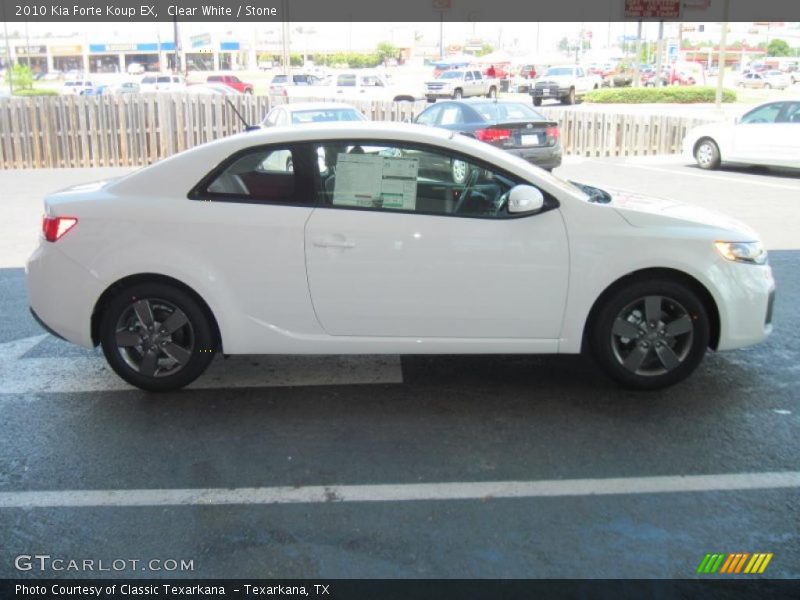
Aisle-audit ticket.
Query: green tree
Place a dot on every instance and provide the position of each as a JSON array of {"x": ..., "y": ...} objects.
[
  {"x": 386, "y": 51},
  {"x": 486, "y": 48},
  {"x": 778, "y": 47},
  {"x": 20, "y": 76}
]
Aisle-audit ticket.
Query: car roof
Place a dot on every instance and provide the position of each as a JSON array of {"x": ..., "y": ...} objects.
[{"x": 298, "y": 106}]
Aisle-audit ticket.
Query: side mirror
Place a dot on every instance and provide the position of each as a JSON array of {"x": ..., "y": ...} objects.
[{"x": 525, "y": 199}]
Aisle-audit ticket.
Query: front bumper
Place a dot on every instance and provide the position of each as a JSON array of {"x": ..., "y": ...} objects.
[
  {"x": 551, "y": 91},
  {"x": 746, "y": 309}
]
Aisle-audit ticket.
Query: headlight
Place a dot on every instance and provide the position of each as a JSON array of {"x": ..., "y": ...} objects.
[{"x": 746, "y": 252}]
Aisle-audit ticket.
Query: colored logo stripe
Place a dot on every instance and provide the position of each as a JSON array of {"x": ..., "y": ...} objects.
[{"x": 734, "y": 563}]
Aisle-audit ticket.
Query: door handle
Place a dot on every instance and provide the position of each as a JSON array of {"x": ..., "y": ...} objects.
[{"x": 333, "y": 244}]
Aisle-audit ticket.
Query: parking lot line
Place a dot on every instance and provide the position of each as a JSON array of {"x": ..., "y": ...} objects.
[
  {"x": 91, "y": 373},
  {"x": 402, "y": 492},
  {"x": 717, "y": 177}
]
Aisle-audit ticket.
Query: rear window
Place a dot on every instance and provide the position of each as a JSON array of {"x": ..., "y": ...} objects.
[
  {"x": 507, "y": 111},
  {"x": 277, "y": 79},
  {"x": 325, "y": 115}
]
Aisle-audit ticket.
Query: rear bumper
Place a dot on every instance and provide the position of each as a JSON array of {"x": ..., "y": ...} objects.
[
  {"x": 61, "y": 294},
  {"x": 546, "y": 158}
]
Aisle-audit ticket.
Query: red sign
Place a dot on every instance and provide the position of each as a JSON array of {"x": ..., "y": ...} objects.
[{"x": 652, "y": 9}]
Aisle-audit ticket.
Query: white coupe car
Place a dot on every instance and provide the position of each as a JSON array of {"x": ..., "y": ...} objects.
[
  {"x": 376, "y": 250},
  {"x": 767, "y": 135}
]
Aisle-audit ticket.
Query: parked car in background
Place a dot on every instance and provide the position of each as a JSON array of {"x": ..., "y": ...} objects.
[
  {"x": 766, "y": 80},
  {"x": 212, "y": 89},
  {"x": 126, "y": 87},
  {"x": 461, "y": 83},
  {"x": 279, "y": 82},
  {"x": 135, "y": 69},
  {"x": 767, "y": 135},
  {"x": 565, "y": 83},
  {"x": 231, "y": 81},
  {"x": 76, "y": 87},
  {"x": 511, "y": 126},
  {"x": 363, "y": 84},
  {"x": 162, "y": 83},
  {"x": 302, "y": 113},
  {"x": 373, "y": 255}
]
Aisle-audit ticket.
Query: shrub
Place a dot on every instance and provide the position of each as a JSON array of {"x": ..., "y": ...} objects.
[{"x": 668, "y": 95}]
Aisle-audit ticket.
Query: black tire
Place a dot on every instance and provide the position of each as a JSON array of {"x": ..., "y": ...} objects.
[
  {"x": 767, "y": 86},
  {"x": 537, "y": 101},
  {"x": 569, "y": 99},
  {"x": 706, "y": 154},
  {"x": 492, "y": 93},
  {"x": 196, "y": 337},
  {"x": 666, "y": 359},
  {"x": 458, "y": 94}
]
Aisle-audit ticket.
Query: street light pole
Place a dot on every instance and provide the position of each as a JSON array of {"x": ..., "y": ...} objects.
[{"x": 722, "y": 43}]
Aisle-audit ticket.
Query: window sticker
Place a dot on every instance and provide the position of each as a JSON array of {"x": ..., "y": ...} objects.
[{"x": 372, "y": 181}]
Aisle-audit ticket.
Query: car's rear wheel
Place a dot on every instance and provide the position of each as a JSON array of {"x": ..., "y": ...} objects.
[
  {"x": 492, "y": 93},
  {"x": 457, "y": 94},
  {"x": 706, "y": 153},
  {"x": 767, "y": 86},
  {"x": 537, "y": 101},
  {"x": 157, "y": 337},
  {"x": 570, "y": 97},
  {"x": 650, "y": 334}
]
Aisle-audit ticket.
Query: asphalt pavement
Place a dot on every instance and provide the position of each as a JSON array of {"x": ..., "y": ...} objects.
[{"x": 400, "y": 466}]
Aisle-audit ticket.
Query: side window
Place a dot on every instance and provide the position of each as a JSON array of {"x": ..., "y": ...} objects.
[
  {"x": 346, "y": 81},
  {"x": 468, "y": 76},
  {"x": 581, "y": 73},
  {"x": 272, "y": 117},
  {"x": 451, "y": 115},
  {"x": 286, "y": 174},
  {"x": 477, "y": 75},
  {"x": 407, "y": 178},
  {"x": 429, "y": 116},
  {"x": 791, "y": 114},
  {"x": 763, "y": 114}
]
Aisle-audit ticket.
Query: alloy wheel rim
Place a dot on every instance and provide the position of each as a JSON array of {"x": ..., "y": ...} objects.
[
  {"x": 704, "y": 153},
  {"x": 652, "y": 335},
  {"x": 154, "y": 337},
  {"x": 459, "y": 171}
]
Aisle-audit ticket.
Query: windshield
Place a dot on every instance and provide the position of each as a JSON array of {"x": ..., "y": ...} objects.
[
  {"x": 324, "y": 115},
  {"x": 451, "y": 75},
  {"x": 508, "y": 111},
  {"x": 557, "y": 71}
]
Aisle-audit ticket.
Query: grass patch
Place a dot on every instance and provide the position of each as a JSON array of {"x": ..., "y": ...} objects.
[
  {"x": 41, "y": 92},
  {"x": 666, "y": 95}
]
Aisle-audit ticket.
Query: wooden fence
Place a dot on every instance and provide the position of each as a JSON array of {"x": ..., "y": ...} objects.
[{"x": 135, "y": 130}]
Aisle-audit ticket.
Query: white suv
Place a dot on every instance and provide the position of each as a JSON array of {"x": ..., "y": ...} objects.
[
  {"x": 162, "y": 83},
  {"x": 76, "y": 87}
]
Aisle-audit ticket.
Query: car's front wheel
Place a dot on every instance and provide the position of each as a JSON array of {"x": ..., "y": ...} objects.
[
  {"x": 650, "y": 334},
  {"x": 156, "y": 336},
  {"x": 537, "y": 101},
  {"x": 706, "y": 153}
]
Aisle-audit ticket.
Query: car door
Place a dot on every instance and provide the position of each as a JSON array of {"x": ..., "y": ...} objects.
[
  {"x": 391, "y": 253},
  {"x": 754, "y": 136},
  {"x": 786, "y": 136}
]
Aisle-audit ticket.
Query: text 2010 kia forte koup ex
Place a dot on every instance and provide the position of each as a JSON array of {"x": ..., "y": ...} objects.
[{"x": 355, "y": 239}]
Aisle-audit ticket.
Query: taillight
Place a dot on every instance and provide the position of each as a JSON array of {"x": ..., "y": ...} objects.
[
  {"x": 493, "y": 135},
  {"x": 552, "y": 135},
  {"x": 54, "y": 228}
]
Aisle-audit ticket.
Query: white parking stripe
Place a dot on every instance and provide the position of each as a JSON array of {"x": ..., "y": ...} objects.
[
  {"x": 737, "y": 180},
  {"x": 92, "y": 374},
  {"x": 401, "y": 492}
]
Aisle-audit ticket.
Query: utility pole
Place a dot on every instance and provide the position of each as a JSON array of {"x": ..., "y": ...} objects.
[
  {"x": 659, "y": 52},
  {"x": 636, "y": 78},
  {"x": 722, "y": 42},
  {"x": 441, "y": 34},
  {"x": 8, "y": 53},
  {"x": 177, "y": 59}
]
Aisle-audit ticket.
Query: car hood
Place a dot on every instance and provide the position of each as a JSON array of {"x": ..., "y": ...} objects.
[
  {"x": 555, "y": 79},
  {"x": 642, "y": 210}
]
